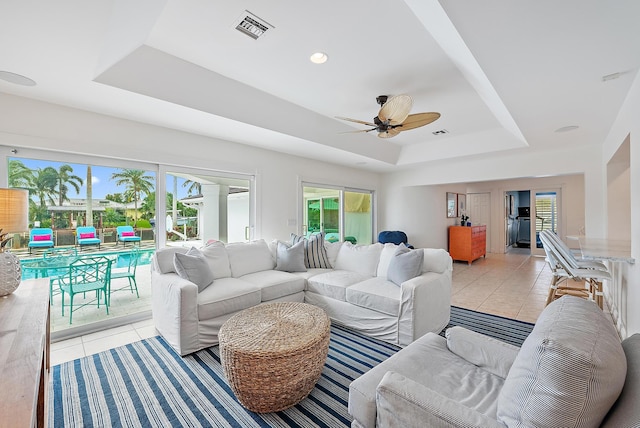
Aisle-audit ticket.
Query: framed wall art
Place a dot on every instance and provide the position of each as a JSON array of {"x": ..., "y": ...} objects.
[{"x": 452, "y": 205}]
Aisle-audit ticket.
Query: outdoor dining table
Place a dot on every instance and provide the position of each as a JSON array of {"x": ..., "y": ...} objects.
[{"x": 42, "y": 268}]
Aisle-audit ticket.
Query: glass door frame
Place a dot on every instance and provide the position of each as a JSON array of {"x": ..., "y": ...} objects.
[
  {"x": 161, "y": 196},
  {"x": 302, "y": 206},
  {"x": 535, "y": 251}
]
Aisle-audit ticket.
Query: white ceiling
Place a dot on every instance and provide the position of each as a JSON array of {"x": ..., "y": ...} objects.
[{"x": 503, "y": 74}]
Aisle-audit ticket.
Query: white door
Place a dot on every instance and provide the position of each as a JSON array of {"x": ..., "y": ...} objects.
[{"x": 479, "y": 211}]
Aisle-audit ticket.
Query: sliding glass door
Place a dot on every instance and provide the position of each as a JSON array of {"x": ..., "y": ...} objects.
[
  {"x": 546, "y": 215},
  {"x": 203, "y": 206},
  {"x": 343, "y": 214}
]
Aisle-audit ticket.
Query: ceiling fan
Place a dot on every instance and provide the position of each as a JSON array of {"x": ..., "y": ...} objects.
[{"x": 394, "y": 116}]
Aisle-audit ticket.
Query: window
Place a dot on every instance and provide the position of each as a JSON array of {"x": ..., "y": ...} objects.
[
  {"x": 343, "y": 214},
  {"x": 204, "y": 205}
]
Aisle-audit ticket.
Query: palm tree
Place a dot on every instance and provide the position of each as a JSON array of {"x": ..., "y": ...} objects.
[
  {"x": 193, "y": 187},
  {"x": 19, "y": 175},
  {"x": 65, "y": 177},
  {"x": 44, "y": 185},
  {"x": 136, "y": 183},
  {"x": 89, "y": 215}
]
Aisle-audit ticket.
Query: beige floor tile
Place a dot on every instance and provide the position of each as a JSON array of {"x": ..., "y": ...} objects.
[
  {"x": 105, "y": 333},
  {"x": 68, "y": 353},
  {"x": 66, "y": 343},
  {"x": 147, "y": 332},
  {"x": 112, "y": 341}
]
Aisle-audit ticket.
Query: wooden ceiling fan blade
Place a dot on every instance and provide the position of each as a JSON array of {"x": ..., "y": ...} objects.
[
  {"x": 417, "y": 120},
  {"x": 356, "y": 121},
  {"x": 355, "y": 132},
  {"x": 392, "y": 132},
  {"x": 396, "y": 109}
]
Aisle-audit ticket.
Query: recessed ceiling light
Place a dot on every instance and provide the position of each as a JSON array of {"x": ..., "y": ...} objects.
[
  {"x": 319, "y": 58},
  {"x": 567, "y": 128},
  {"x": 17, "y": 79}
]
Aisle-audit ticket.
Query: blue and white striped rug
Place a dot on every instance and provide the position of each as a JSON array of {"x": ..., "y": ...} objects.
[{"x": 145, "y": 384}]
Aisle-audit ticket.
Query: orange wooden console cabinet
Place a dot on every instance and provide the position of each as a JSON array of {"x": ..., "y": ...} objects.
[{"x": 467, "y": 243}]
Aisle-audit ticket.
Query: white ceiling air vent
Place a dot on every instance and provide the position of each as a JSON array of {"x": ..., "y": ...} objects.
[
  {"x": 252, "y": 26},
  {"x": 440, "y": 132}
]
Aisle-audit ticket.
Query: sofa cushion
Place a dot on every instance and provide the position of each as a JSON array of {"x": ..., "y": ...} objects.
[
  {"x": 249, "y": 257},
  {"x": 290, "y": 257},
  {"x": 226, "y": 296},
  {"x": 488, "y": 353},
  {"x": 626, "y": 412},
  {"x": 216, "y": 256},
  {"x": 428, "y": 362},
  {"x": 569, "y": 371},
  {"x": 164, "y": 258},
  {"x": 334, "y": 283},
  {"x": 404, "y": 265},
  {"x": 436, "y": 260},
  {"x": 275, "y": 284},
  {"x": 193, "y": 266},
  {"x": 359, "y": 258},
  {"x": 387, "y": 253},
  {"x": 332, "y": 249},
  {"x": 376, "y": 293},
  {"x": 315, "y": 253}
]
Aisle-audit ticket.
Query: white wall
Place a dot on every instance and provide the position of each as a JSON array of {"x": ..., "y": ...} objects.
[
  {"x": 628, "y": 126},
  {"x": 28, "y": 124},
  {"x": 421, "y": 211}
]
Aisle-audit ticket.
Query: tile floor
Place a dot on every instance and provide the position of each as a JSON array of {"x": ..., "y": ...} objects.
[{"x": 512, "y": 285}]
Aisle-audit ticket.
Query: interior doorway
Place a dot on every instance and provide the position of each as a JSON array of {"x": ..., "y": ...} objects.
[
  {"x": 527, "y": 213},
  {"x": 517, "y": 221}
]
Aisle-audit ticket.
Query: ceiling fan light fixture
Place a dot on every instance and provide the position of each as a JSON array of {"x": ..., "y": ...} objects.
[
  {"x": 17, "y": 79},
  {"x": 567, "y": 128},
  {"x": 319, "y": 58}
]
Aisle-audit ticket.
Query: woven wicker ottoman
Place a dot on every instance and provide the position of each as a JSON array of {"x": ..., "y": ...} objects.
[{"x": 273, "y": 354}]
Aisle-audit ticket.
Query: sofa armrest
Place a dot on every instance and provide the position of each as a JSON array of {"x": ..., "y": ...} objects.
[
  {"x": 483, "y": 351},
  {"x": 174, "y": 304},
  {"x": 425, "y": 306},
  {"x": 402, "y": 402}
]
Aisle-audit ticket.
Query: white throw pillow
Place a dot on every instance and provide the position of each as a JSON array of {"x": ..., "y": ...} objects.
[
  {"x": 164, "y": 258},
  {"x": 404, "y": 265},
  {"x": 290, "y": 258},
  {"x": 193, "y": 266},
  {"x": 332, "y": 251},
  {"x": 216, "y": 255},
  {"x": 359, "y": 258},
  {"x": 436, "y": 260},
  {"x": 388, "y": 251},
  {"x": 249, "y": 257}
]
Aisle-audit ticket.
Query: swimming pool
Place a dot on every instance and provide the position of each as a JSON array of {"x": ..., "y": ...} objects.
[{"x": 121, "y": 260}]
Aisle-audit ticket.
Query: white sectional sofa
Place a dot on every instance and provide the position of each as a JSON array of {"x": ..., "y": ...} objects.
[{"x": 353, "y": 289}]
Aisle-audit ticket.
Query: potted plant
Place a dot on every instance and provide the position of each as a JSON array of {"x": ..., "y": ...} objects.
[{"x": 463, "y": 220}]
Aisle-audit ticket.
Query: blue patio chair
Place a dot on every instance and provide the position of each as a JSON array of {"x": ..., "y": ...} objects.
[
  {"x": 40, "y": 237},
  {"x": 87, "y": 235},
  {"x": 129, "y": 274},
  {"x": 126, "y": 234},
  {"x": 86, "y": 274},
  {"x": 58, "y": 257}
]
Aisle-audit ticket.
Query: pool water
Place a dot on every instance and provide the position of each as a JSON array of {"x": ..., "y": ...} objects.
[{"x": 121, "y": 261}]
